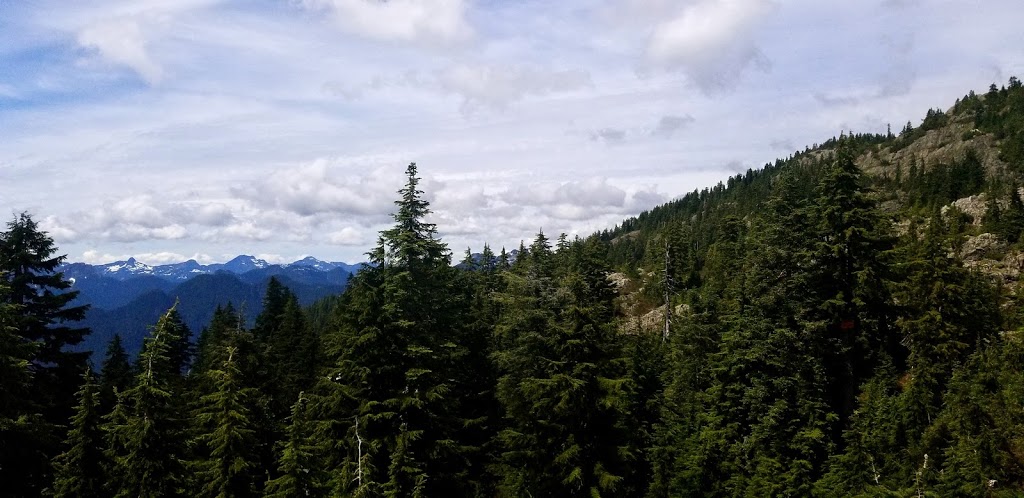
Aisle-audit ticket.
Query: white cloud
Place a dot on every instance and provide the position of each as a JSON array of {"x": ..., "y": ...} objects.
[
  {"x": 121, "y": 41},
  {"x": 96, "y": 257},
  {"x": 323, "y": 187},
  {"x": 432, "y": 21},
  {"x": 710, "y": 41},
  {"x": 608, "y": 135},
  {"x": 669, "y": 125},
  {"x": 497, "y": 86},
  {"x": 220, "y": 153},
  {"x": 247, "y": 230},
  {"x": 347, "y": 236},
  {"x": 8, "y": 91},
  {"x": 590, "y": 192}
]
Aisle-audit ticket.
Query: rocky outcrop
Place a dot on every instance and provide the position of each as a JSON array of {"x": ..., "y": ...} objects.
[
  {"x": 974, "y": 206},
  {"x": 982, "y": 246},
  {"x": 944, "y": 145},
  {"x": 651, "y": 322},
  {"x": 992, "y": 256}
]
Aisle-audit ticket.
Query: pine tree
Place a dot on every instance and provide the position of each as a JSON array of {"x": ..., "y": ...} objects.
[
  {"x": 274, "y": 300},
  {"x": 562, "y": 383},
  {"x": 27, "y": 259},
  {"x": 115, "y": 374},
  {"x": 222, "y": 331},
  {"x": 847, "y": 296},
  {"x": 44, "y": 316},
  {"x": 392, "y": 354},
  {"x": 226, "y": 435},
  {"x": 21, "y": 427},
  {"x": 298, "y": 466},
  {"x": 144, "y": 432},
  {"x": 292, "y": 356},
  {"x": 79, "y": 470}
]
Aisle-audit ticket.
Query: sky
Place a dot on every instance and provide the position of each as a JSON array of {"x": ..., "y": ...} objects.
[{"x": 203, "y": 129}]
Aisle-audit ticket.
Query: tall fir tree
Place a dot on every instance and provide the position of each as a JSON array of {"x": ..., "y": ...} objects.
[
  {"x": 80, "y": 469},
  {"x": 225, "y": 440},
  {"x": 847, "y": 296},
  {"x": 22, "y": 429},
  {"x": 29, "y": 262},
  {"x": 299, "y": 473},
  {"x": 145, "y": 433},
  {"x": 115, "y": 374},
  {"x": 391, "y": 381},
  {"x": 563, "y": 385},
  {"x": 44, "y": 316}
]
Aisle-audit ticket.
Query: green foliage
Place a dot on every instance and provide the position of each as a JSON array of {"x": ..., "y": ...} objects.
[
  {"x": 225, "y": 438},
  {"x": 39, "y": 322},
  {"x": 299, "y": 473},
  {"x": 145, "y": 432},
  {"x": 79, "y": 470},
  {"x": 562, "y": 377},
  {"x": 389, "y": 393},
  {"x": 23, "y": 432},
  {"x": 115, "y": 374}
]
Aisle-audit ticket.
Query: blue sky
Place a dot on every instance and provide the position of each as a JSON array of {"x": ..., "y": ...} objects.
[{"x": 176, "y": 129}]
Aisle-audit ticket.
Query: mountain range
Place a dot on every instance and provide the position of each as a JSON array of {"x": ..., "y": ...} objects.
[{"x": 127, "y": 297}]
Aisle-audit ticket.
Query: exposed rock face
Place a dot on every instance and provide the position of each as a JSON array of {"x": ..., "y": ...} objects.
[
  {"x": 944, "y": 145},
  {"x": 619, "y": 280},
  {"x": 651, "y": 322},
  {"x": 989, "y": 255},
  {"x": 981, "y": 246},
  {"x": 974, "y": 206},
  {"x": 1006, "y": 270}
]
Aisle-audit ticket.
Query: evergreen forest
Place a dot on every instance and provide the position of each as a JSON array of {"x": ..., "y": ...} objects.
[{"x": 845, "y": 321}]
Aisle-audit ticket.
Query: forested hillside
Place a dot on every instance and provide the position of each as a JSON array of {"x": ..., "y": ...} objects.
[{"x": 842, "y": 322}]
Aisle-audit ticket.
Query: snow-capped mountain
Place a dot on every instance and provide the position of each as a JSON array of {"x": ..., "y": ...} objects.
[
  {"x": 127, "y": 297},
  {"x": 125, "y": 269},
  {"x": 179, "y": 272}
]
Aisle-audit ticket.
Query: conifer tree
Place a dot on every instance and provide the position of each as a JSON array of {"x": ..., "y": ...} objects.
[
  {"x": 115, "y": 374},
  {"x": 562, "y": 383},
  {"x": 22, "y": 428},
  {"x": 215, "y": 337},
  {"x": 29, "y": 262},
  {"x": 226, "y": 437},
  {"x": 79, "y": 470},
  {"x": 45, "y": 317},
  {"x": 847, "y": 296},
  {"x": 144, "y": 432},
  {"x": 392, "y": 378},
  {"x": 297, "y": 465}
]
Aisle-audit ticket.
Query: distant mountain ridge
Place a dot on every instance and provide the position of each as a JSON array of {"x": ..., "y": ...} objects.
[
  {"x": 127, "y": 297},
  {"x": 123, "y": 270}
]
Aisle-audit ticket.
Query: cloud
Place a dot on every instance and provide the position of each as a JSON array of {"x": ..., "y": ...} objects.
[
  {"x": 137, "y": 217},
  {"x": 321, "y": 188},
  {"x": 899, "y": 75},
  {"x": 710, "y": 41},
  {"x": 120, "y": 41},
  {"x": 414, "y": 21},
  {"x": 490, "y": 86},
  {"x": 608, "y": 135},
  {"x": 783, "y": 146},
  {"x": 347, "y": 236},
  {"x": 497, "y": 86},
  {"x": 95, "y": 257},
  {"x": 246, "y": 230},
  {"x": 669, "y": 125},
  {"x": 838, "y": 99}
]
